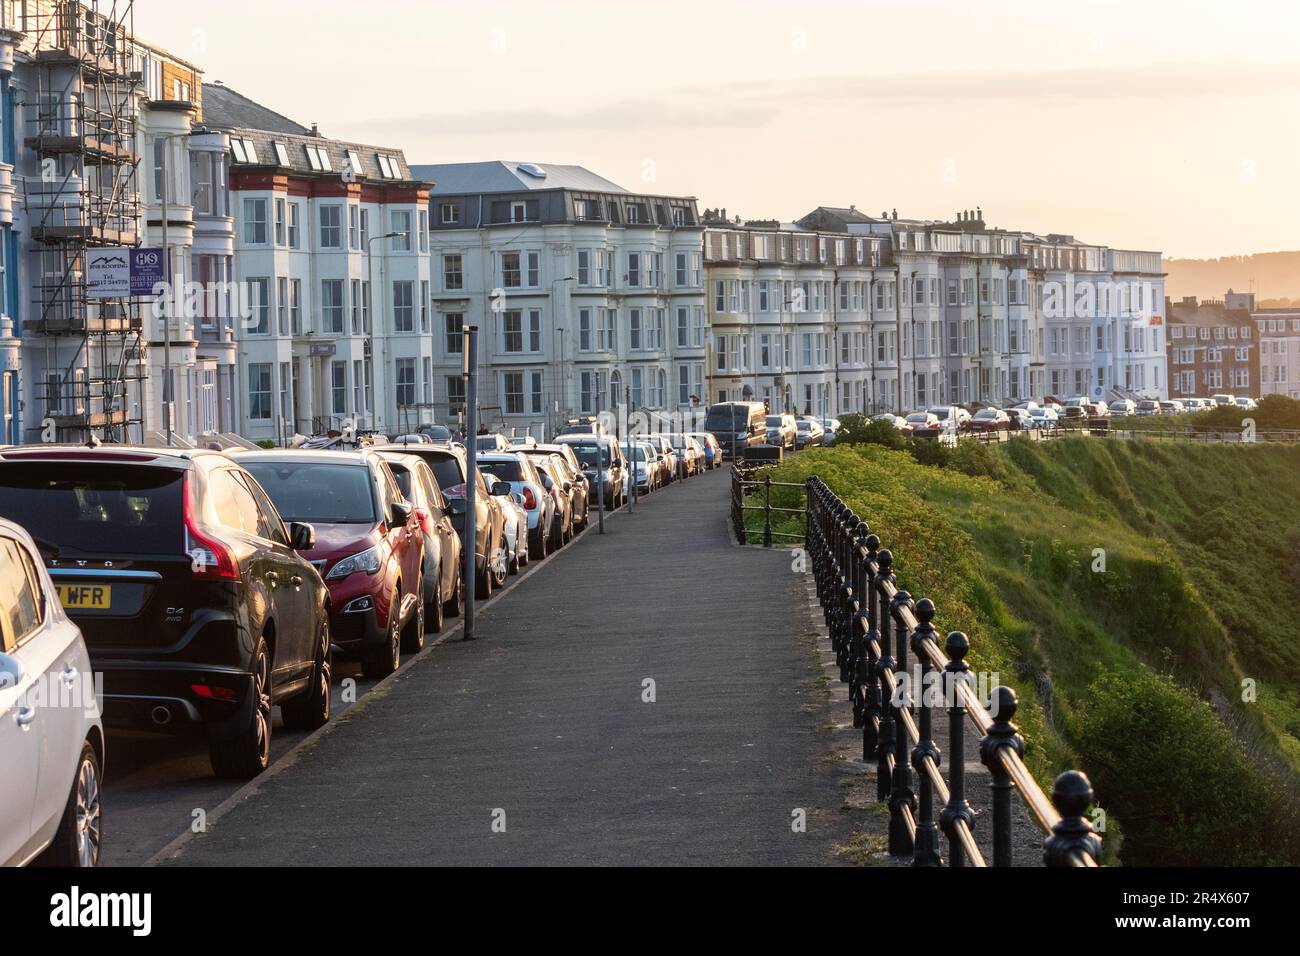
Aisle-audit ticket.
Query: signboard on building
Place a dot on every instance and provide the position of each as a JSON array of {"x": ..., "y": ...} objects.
[
  {"x": 323, "y": 348},
  {"x": 120, "y": 271}
]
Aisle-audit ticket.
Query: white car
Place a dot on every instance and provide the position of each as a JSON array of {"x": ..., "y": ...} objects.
[
  {"x": 1039, "y": 417},
  {"x": 51, "y": 735},
  {"x": 1123, "y": 407},
  {"x": 515, "y": 526}
]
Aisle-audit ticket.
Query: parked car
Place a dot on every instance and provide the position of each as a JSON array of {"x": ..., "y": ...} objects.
[
  {"x": 712, "y": 450},
  {"x": 1170, "y": 408},
  {"x": 1123, "y": 407},
  {"x": 450, "y": 468},
  {"x": 579, "y": 490},
  {"x": 1040, "y": 417},
  {"x": 688, "y": 452},
  {"x": 1074, "y": 414},
  {"x": 1246, "y": 404},
  {"x": 1222, "y": 399},
  {"x": 443, "y": 584},
  {"x": 1147, "y": 407},
  {"x": 782, "y": 431},
  {"x": 990, "y": 420},
  {"x": 523, "y": 441},
  {"x": 187, "y": 587},
  {"x": 514, "y": 520},
  {"x": 52, "y": 756},
  {"x": 923, "y": 425},
  {"x": 670, "y": 461},
  {"x": 810, "y": 431},
  {"x": 438, "y": 434},
  {"x": 369, "y": 546},
  {"x": 517, "y": 469},
  {"x": 486, "y": 444},
  {"x": 737, "y": 426},
  {"x": 559, "y": 488},
  {"x": 898, "y": 421},
  {"x": 602, "y": 463},
  {"x": 831, "y": 427},
  {"x": 953, "y": 418},
  {"x": 415, "y": 439},
  {"x": 579, "y": 426},
  {"x": 642, "y": 467}
]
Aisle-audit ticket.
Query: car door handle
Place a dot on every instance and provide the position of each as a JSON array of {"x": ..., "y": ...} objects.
[
  {"x": 69, "y": 675},
  {"x": 296, "y": 582},
  {"x": 272, "y": 578},
  {"x": 25, "y": 716}
]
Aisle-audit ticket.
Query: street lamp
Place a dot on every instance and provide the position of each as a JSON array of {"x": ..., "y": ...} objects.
[
  {"x": 168, "y": 397},
  {"x": 370, "y": 279},
  {"x": 557, "y": 357}
]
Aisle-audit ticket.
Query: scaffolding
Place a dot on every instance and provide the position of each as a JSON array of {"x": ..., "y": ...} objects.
[{"x": 81, "y": 131}]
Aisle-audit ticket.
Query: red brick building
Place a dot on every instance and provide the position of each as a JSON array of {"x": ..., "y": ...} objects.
[{"x": 1211, "y": 349}]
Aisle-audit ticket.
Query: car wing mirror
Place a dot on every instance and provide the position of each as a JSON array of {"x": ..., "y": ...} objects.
[
  {"x": 302, "y": 536},
  {"x": 11, "y": 671},
  {"x": 401, "y": 512},
  {"x": 457, "y": 506},
  {"x": 501, "y": 490}
]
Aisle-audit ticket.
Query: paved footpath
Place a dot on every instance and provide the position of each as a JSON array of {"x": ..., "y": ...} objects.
[{"x": 541, "y": 723}]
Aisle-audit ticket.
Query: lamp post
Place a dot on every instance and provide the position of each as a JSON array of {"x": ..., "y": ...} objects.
[
  {"x": 470, "y": 573},
  {"x": 168, "y": 397},
  {"x": 374, "y": 302},
  {"x": 558, "y": 358}
]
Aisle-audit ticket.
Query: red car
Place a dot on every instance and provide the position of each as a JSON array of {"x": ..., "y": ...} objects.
[
  {"x": 369, "y": 547},
  {"x": 990, "y": 420}
]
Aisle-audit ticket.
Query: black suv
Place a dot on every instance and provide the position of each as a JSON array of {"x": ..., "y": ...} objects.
[{"x": 194, "y": 604}]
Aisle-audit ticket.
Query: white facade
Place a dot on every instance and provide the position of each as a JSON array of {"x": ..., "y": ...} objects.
[{"x": 587, "y": 297}]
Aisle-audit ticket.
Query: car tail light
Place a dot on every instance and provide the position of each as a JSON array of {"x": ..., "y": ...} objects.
[
  {"x": 210, "y": 559},
  {"x": 213, "y": 693},
  {"x": 530, "y": 499}
]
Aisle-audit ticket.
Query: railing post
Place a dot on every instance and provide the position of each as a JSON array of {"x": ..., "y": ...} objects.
[
  {"x": 956, "y": 673},
  {"x": 871, "y": 702},
  {"x": 900, "y": 791},
  {"x": 884, "y": 667},
  {"x": 1074, "y": 834},
  {"x": 1002, "y": 734},
  {"x": 857, "y": 623},
  {"x": 926, "y": 852},
  {"x": 767, "y": 511},
  {"x": 848, "y": 613}
]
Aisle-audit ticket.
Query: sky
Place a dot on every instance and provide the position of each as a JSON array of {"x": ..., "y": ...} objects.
[{"x": 1146, "y": 124}]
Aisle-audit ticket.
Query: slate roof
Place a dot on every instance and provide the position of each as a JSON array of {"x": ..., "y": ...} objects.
[
  {"x": 499, "y": 176},
  {"x": 1207, "y": 314},
  {"x": 245, "y": 119},
  {"x": 225, "y": 108}
]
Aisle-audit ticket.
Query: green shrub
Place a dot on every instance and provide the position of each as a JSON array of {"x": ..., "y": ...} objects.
[
  {"x": 1191, "y": 797},
  {"x": 266, "y": 443},
  {"x": 931, "y": 451},
  {"x": 859, "y": 430}
]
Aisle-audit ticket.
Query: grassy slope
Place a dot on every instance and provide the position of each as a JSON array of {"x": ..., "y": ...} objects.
[{"x": 1201, "y": 547}]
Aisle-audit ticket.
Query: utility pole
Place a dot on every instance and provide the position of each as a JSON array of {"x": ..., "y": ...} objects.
[
  {"x": 600, "y": 476},
  {"x": 470, "y": 349}
]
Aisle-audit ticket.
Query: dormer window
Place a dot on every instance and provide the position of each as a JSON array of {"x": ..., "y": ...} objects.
[
  {"x": 318, "y": 158},
  {"x": 518, "y": 212},
  {"x": 281, "y": 154}
]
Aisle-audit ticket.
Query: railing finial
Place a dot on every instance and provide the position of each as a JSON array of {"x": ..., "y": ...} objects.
[{"x": 1072, "y": 796}]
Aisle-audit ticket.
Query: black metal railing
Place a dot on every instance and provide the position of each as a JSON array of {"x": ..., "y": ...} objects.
[
  {"x": 756, "y": 485},
  {"x": 871, "y": 639}
]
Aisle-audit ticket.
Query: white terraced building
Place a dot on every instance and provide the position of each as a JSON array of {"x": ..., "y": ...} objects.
[
  {"x": 842, "y": 312},
  {"x": 587, "y": 296},
  {"x": 331, "y": 241}
]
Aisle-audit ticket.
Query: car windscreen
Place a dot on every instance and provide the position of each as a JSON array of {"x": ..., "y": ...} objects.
[
  {"x": 507, "y": 469},
  {"x": 317, "y": 491},
  {"x": 436, "y": 432},
  {"x": 725, "y": 419},
  {"x": 636, "y": 452},
  {"x": 587, "y": 456},
  {"x": 96, "y": 507}
]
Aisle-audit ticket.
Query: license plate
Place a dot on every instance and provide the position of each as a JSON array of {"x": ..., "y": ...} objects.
[{"x": 85, "y": 597}]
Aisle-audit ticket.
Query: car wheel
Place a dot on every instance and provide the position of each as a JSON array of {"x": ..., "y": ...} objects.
[
  {"x": 389, "y": 657},
  {"x": 433, "y": 614},
  {"x": 413, "y": 634},
  {"x": 248, "y": 752},
  {"x": 456, "y": 602},
  {"x": 311, "y": 709},
  {"x": 77, "y": 841},
  {"x": 483, "y": 581},
  {"x": 501, "y": 566}
]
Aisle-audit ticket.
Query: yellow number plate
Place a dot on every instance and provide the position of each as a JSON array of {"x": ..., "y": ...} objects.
[{"x": 86, "y": 597}]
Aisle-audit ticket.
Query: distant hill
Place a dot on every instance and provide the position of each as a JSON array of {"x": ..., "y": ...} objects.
[{"x": 1275, "y": 277}]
